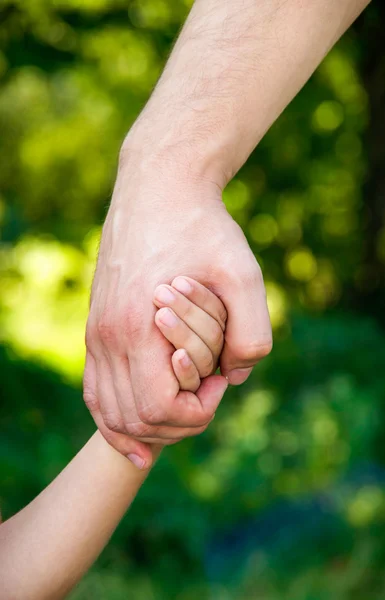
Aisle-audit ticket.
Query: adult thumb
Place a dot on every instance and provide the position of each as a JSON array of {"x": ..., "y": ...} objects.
[{"x": 248, "y": 336}]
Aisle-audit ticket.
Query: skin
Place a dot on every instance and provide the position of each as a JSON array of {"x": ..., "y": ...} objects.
[
  {"x": 47, "y": 547},
  {"x": 230, "y": 75}
]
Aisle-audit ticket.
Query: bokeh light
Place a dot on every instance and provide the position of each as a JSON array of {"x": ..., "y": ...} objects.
[{"x": 282, "y": 498}]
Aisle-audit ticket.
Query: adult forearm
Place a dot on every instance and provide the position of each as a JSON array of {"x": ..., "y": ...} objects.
[
  {"x": 47, "y": 547},
  {"x": 234, "y": 68}
]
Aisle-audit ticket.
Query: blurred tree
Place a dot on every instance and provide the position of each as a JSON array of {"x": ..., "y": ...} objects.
[
  {"x": 239, "y": 512},
  {"x": 371, "y": 273}
]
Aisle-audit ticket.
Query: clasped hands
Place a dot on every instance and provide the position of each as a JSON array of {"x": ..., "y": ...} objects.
[
  {"x": 193, "y": 320},
  {"x": 137, "y": 384}
]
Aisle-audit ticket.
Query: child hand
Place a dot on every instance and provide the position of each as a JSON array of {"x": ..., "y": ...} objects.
[{"x": 192, "y": 319}]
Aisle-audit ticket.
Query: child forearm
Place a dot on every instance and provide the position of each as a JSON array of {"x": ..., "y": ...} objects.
[{"x": 48, "y": 546}]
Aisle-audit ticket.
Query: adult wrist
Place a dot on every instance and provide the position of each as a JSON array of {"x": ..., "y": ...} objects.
[{"x": 192, "y": 158}]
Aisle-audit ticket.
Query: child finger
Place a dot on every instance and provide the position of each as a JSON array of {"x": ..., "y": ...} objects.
[
  {"x": 185, "y": 371},
  {"x": 199, "y": 321},
  {"x": 182, "y": 337},
  {"x": 201, "y": 296}
]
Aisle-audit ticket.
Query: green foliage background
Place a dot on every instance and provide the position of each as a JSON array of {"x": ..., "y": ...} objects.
[{"x": 306, "y": 432}]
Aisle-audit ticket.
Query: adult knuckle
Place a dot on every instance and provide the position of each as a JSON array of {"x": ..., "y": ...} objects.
[
  {"x": 153, "y": 414},
  {"x": 132, "y": 321},
  {"x": 113, "y": 421},
  {"x": 91, "y": 334},
  {"x": 90, "y": 399},
  {"x": 107, "y": 330},
  {"x": 137, "y": 429}
]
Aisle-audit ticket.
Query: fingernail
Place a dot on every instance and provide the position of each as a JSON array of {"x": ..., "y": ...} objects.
[
  {"x": 137, "y": 460},
  {"x": 182, "y": 285},
  {"x": 238, "y": 376},
  {"x": 185, "y": 360},
  {"x": 167, "y": 317},
  {"x": 164, "y": 295}
]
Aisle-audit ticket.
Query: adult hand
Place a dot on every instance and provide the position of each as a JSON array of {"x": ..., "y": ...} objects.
[
  {"x": 163, "y": 223},
  {"x": 213, "y": 103}
]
